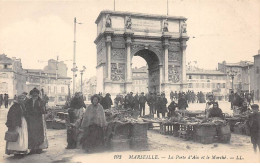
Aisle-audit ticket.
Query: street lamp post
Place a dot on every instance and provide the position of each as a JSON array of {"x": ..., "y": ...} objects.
[
  {"x": 81, "y": 74},
  {"x": 232, "y": 74},
  {"x": 248, "y": 72},
  {"x": 56, "y": 77},
  {"x": 74, "y": 69}
]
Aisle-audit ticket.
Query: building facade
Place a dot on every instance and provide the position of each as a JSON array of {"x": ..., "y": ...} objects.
[
  {"x": 208, "y": 81},
  {"x": 57, "y": 89},
  {"x": 242, "y": 72},
  {"x": 15, "y": 80},
  {"x": 140, "y": 80},
  {"x": 255, "y": 78},
  {"x": 54, "y": 65},
  {"x": 12, "y": 80}
]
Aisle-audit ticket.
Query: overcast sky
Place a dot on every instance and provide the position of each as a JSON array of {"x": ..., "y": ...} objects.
[{"x": 39, "y": 30}]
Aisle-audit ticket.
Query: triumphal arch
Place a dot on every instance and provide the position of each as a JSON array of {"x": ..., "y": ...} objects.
[{"x": 160, "y": 40}]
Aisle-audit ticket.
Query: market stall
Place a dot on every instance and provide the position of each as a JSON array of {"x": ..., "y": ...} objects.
[{"x": 124, "y": 131}]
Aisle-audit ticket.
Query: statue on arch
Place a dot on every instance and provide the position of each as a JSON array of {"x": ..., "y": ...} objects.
[
  {"x": 108, "y": 21},
  {"x": 165, "y": 25},
  {"x": 183, "y": 27},
  {"x": 128, "y": 23}
]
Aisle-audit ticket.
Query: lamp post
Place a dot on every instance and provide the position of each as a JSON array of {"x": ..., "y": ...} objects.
[
  {"x": 248, "y": 72},
  {"x": 232, "y": 74},
  {"x": 74, "y": 69},
  {"x": 81, "y": 74},
  {"x": 56, "y": 80}
]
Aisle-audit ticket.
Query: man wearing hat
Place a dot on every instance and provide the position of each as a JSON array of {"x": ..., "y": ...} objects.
[
  {"x": 142, "y": 101},
  {"x": 34, "y": 115},
  {"x": 254, "y": 125},
  {"x": 6, "y": 97}
]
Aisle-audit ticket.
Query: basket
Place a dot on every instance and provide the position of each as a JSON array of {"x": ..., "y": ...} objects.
[{"x": 206, "y": 130}]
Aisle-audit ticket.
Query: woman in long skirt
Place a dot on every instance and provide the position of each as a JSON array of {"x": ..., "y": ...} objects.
[
  {"x": 93, "y": 123},
  {"x": 16, "y": 122},
  {"x": 35, "y": 111}
]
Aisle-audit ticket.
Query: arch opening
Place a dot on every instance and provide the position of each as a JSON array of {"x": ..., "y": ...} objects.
[{"x": 152, "y": 79}]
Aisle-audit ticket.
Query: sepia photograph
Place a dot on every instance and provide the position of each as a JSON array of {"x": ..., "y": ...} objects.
[{"x": 129, "y": 81}]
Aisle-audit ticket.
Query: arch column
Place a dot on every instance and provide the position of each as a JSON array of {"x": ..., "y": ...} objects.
[
  {"x": 108, "y": 40},
  {"x": 161, "y": 77},
  {"x": 166, "y": 44},
  {"x": 128, "y": 41},
  {"x": 183, "y": 52}
]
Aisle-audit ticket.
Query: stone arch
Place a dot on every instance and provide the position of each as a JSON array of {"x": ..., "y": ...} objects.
[
  {"x": 153, "y": 61},
  {"x": 136, "y": 48}
]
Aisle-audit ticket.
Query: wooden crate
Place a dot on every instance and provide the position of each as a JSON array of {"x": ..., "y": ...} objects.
[
  {"x": 186, "y": 131},
  {"x": 168, "y": 128},
  {"x": 139, "y": 129},
  {"x": 122, "y": 129}
]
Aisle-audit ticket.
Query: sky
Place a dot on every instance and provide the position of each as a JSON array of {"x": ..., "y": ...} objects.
[{"x": 36, "y": 31}]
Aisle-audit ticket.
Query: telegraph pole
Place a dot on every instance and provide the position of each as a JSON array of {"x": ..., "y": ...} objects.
[
  {"x": 74, "y": 69},
  {"x": 56, "y": 82}
]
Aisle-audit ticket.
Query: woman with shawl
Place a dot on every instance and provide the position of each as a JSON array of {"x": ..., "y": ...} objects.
[
  {"x": 93, "y": 123},
  {"x": 17, "y": 123},
  {"x": 37, "y": 139}
]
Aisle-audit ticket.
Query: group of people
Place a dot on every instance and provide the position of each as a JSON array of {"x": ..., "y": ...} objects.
[
  {"x": 157, "y": 103},
  {"x": 25, "y": 118},
  {"x": 4, "y": 100},
  {"x": 190, "y": 96},
  {"x": 240, "y": 101}
]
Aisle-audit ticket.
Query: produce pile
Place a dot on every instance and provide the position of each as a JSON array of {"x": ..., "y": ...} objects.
[
  {"x": 188, "y": 120},
  {"x": 121, "y": 115}
]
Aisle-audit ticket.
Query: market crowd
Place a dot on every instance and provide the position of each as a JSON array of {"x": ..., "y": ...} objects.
[{"x": 87, "y": 124}]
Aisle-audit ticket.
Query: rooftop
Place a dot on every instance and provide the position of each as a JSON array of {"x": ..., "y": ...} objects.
[
  {"x": 239, "y": 64},
  {"x": 206, "y": 72},
  {"x": 4, "y": 59},
  {"x": 138, "y": 15}
]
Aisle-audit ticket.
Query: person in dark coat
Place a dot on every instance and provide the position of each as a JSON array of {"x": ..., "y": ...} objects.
[
  {"x": 172, "y": 108},
  {"x": 182, "y": 103},
  {"x": 231, "y": 99},
  {"x": 16, "y": 122},
  {"x": 1, "y": 100},
  {"x": 75, "y": 104},
  {"x": 136, "y": 102},
  {"x": 151, "y": 103},
  {"x": 107, "y": 101},
  {"x": 142, "y": 101},
  {"x": 6, "y": 97},
  {"x": 253, "y": 124},
  {"x": 162, "y": 106},
  {"x": 34, "y": 116},
  {"x": 171, "y": 95},
  {"x": 215, "y": 111}
]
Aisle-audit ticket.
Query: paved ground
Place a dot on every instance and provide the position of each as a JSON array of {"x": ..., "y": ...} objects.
[{"x": 168, "y": 148}]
